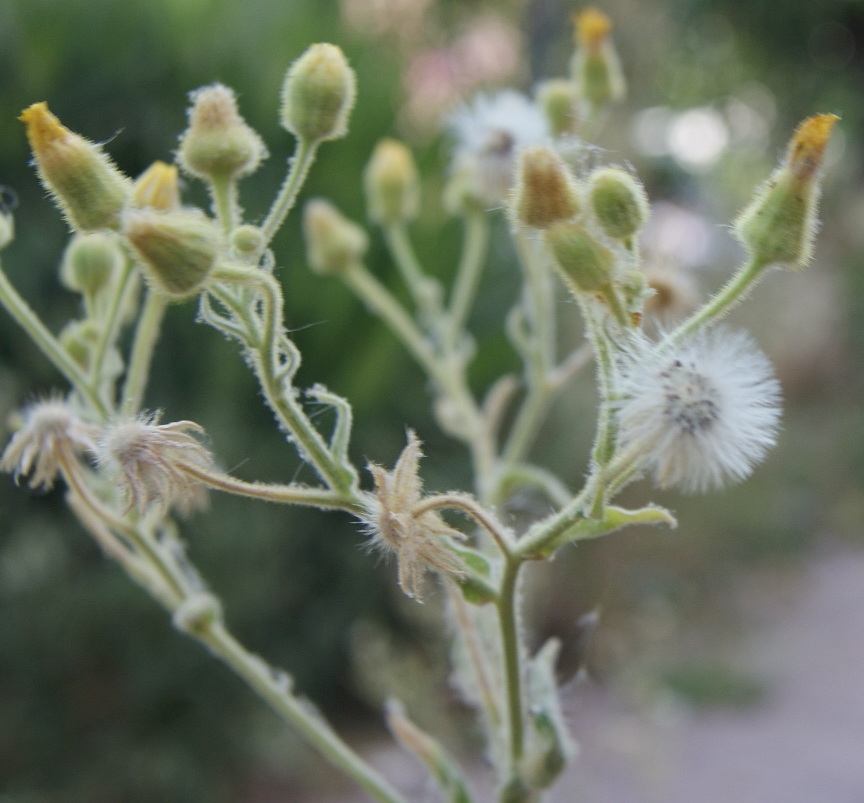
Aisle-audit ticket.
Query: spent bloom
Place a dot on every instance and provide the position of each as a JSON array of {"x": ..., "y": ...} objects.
[
  {"x": 416, "y": 540},
  {"x": 49, "y": 436},
  {"x": 489, "y": 132},
  {"x": 702, "y": 413},
  {"x": 155, "y": 464}
]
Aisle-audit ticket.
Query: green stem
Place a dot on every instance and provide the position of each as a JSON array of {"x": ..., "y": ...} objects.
[
  {"x": 511, "y": 652},
  {"x": 223, "y": 192},
  {"x": 301, "y": 162},
  {"x": 322, "y": 498},
  {"x": 734, "y": 291},
  {"x": 424, "y": 290},
  {"x": 110, "y": 326},
  {"x": 338, "y": 476},
  {"x": 539, "y": 306},
  {"x": 259, "y": 676},
  {"x": 467, "y": 275},
  {"x": 48, "y": 344},
  {"x": 146, "y": 335},
  {"x": 449, "y": 378}
]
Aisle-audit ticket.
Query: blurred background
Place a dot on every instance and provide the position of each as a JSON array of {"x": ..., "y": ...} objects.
[{"x": 100, "y": 700}]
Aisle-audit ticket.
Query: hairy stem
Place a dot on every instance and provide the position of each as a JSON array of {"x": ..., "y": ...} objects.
[{"x": 146, "y": 335}]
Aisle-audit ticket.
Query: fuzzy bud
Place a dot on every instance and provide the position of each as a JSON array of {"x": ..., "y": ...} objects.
[
  {"x": 333, "y": 243},
  {"x": 157, "y": 187},
  {"x": 584, "y": 262},
  {"x": 545, "y": 192},
  {"x": 557, "y": 99},
  {"x": 91, "y": 261},
  {"x": 779, "y": 225},
  {"x": 586, "y": 265},
  {"x": 177, "y": 250},
  {"x": 391, "y": 183},
  {"x": 619, "y": 202},
  {"x": 81, "y": 178},
  {"x": 318, "y": 94},
  {"x": 247, "y": 240},
  {"x": 218, "y": 145},
  {"x": 596, "y": 69}
]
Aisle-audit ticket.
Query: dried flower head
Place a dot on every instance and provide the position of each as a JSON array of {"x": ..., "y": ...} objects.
[
  {"x": 49, "y": 435},
  {"x": 703, "y": 413},
  {"x": 151, "y": 462},
  {"x": 489, "y": 132},
  {"x": 415, "y": 540}
]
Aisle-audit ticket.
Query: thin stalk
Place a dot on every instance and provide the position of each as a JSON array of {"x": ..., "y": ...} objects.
[
  {"x": 171, "y": 579},
  {"x": 539, "y": 307},
  {"x": 305, "y": 436},
  {"x": 604, "y": 439},
  {"x": 300, "y": 163},
  {"x": 449, "y": 379},
  {"x": 146, "y": 335},
  {"x": 467, "y": 275},
  {"x": 302, "y": 717},
  {"x": 734, "y": 291},
  {"x": 511, "y": 652},
  {"x": 422, "y": 288},
  {"x": 322, "y": 498},
  {"x": 225, "y": 204},
  {"x": 48, "y": 344},
  {"x": 467, "y": 504},
  {"x": 110, "y": 326}
]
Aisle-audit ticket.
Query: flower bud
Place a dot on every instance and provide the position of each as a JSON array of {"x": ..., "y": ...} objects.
[
  {"x": 333, "y": 243},
  {"x": 218, "y": 145},
  {"x": 177, "y": 250},
  {"x": 82, "y": 179},
  {"x": 157, "y": 187},
  {"x": 79, "y": 339},
  {"x": 596, "y": 69},
  {"x": 247, "y": 240},
  {"x": 779, "y": 225},
  {"x": 91, "y": 261},
  {"x": 544, "y": 192},
  {"x": 557, "y": 99},
  {"x": 586, "y": 265},
  {"x": 619, "y": 202},
  {"x": 584, "y": 262},
  {"x": 318, "y": 94},
  {"x": 391, "y": 183}
]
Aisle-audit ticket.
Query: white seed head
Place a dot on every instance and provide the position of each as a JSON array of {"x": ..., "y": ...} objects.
[
  {"x": 703, "y": 413},
  {"x": 489, "y": 132}
]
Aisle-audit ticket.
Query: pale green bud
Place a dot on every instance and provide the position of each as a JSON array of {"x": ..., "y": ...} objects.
[
  {"x": 81, "y": 178},
  {"x": 586, "y": 265},
  {"x": 157, "y": 187},
  {"x": 91, "y": 261},
  {"x": 247, "y": 240},
  {"x": 177, "y": 250},
  {"x": 333, "y": 243},
  {"x": 544, "y": 192},
  {"x": 391, "y": 183},
  {"x": 619, "y": 202},
  {"x": 557, "y": 99},
  {"x": 778, "y": 227},
  {"x": 596, "y": 68},
  {"x": 584, "y": 262},
  {"x": 218, "y": 145},
  {"x": 318, "y": 94}
]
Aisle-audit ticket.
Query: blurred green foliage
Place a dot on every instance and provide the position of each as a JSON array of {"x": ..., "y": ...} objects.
[{"x": 99, "y": 700}]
